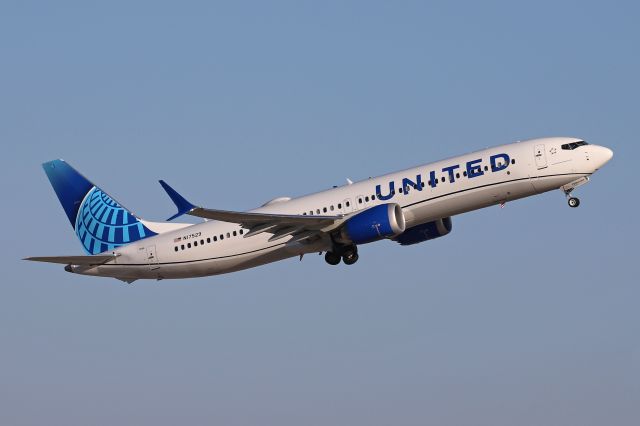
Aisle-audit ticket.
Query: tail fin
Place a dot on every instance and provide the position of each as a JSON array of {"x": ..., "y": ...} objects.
[{"x": 100, "y": 222}]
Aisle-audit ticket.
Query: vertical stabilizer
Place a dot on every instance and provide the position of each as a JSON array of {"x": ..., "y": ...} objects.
[{"x": 101, "y": 224}]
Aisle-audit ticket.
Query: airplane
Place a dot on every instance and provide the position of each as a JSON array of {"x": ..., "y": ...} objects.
[{"x": 409, "y": 207}]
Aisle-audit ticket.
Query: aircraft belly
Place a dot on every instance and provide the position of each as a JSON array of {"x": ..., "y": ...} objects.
[
  {"x": 550, "y": 183},
  {"x": 205, "y": 267}
]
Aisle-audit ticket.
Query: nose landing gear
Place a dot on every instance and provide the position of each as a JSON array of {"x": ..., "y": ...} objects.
[
  {"x": 568, "y": 189},
  {"x": 573, "y": 202}
]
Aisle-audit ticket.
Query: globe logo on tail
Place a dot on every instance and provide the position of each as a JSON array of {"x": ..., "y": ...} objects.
[{"x": 102, "y": 224}]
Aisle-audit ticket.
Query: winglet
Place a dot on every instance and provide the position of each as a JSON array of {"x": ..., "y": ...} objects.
[{"x": 183, "y": 205}]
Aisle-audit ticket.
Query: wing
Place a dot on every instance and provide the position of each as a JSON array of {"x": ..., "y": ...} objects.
[
  {"x": 280, "y": 225},
  {"x": 74, "y": 260}
]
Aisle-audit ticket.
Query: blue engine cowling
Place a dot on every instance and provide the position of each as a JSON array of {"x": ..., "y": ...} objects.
[
  {"x": 425, "y": 232},
  {"x": 376, "y": 223}
]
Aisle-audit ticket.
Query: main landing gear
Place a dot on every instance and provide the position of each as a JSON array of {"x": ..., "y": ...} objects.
[
  {"x": 332, "y": 258},
  {"x": 348, "y": 254}
]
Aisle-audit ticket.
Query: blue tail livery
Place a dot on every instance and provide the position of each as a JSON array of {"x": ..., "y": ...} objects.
[{"x": 101, "y": 224}]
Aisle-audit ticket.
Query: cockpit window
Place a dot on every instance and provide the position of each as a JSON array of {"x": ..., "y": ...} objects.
[{"x": 573, "y": 145}]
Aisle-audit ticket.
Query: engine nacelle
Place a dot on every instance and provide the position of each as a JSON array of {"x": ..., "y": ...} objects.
[
  {"x": 425, "y": 232},
  {"x": 376, "y": 223}
]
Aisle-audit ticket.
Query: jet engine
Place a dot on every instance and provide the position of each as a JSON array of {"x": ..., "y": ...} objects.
[
  {"x": 376, "y": 223},
  {"x": 425, "y": 232}
]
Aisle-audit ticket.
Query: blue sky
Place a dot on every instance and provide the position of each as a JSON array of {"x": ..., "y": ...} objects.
[{"x": 526, "y": 315}]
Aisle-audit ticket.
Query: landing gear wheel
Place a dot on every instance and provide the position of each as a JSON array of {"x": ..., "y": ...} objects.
[
  {"x": 350, "y": 257},
  {"x": 331, "y": 258},
  {"x": 573, "y": 202}
]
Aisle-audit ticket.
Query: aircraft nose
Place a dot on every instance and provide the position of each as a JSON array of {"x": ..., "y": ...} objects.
[{"x": 604, "y": 155}]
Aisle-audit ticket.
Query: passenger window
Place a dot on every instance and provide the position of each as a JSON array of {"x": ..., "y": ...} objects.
[
  {"x": 215, "y": 238},
  {"x": 235, "y": 233},
  {"x": 221, "y": 237},
  {"x": 486, "y": 168},
  {"x": 339, "y": 206},
  {"x": 442, "y": 179},
  {"x": 228, "y": 235},
  {"x": 176, "y": 247},
  {"x": 182, "y": 247},
  {"x": 513, "y": 161},
  {"x": 458, "y": 175},
  {"x": 348, "y": 203},
  {"x": 360, "y": 200},
  {"x": 324, "y": 209},
  {"x": 464, "y": 173},
  {"x": 208, "y": 240},
  {"x": 331, "y": 207},
  {"x": 188, "y": 245},
  {"x": 400, "y": 190},
  {"x": 241, "y": 231},
  {"x": 195, "y": 244},
  {"x": 366, "y": 199},
  {"x": 201, "y": 242}
]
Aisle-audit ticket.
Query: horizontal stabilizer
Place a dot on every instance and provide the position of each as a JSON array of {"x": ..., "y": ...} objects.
[{"x": 74, "y": 260}]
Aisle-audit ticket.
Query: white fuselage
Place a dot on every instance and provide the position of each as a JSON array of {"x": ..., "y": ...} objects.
[{"x": 535, "y": 166}]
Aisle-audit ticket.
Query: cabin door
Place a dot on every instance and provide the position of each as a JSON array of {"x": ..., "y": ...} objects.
[
  {"x": 541, "y": 157},
  {"x": 152, "y": 258}
]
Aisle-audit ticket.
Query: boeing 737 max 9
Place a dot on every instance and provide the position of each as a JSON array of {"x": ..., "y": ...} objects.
[{"x": 409, "y": 207}]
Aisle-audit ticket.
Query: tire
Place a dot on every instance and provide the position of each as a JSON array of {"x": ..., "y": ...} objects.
[
  {"x": 350, "y": 257},
  {"x": 573, "y": 202},
  {"x": 331, "y": 258}
]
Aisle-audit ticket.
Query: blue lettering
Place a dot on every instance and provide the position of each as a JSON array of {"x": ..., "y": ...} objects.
[
  {"x": 433, "y": 181},
  {"x": 392, "y": 191},
  {"x": 406, "y": 183},
  {"x": 450, "y": 169},
  {"x": 495, "y": 166},
  {"x": 474, "y": 169}
]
